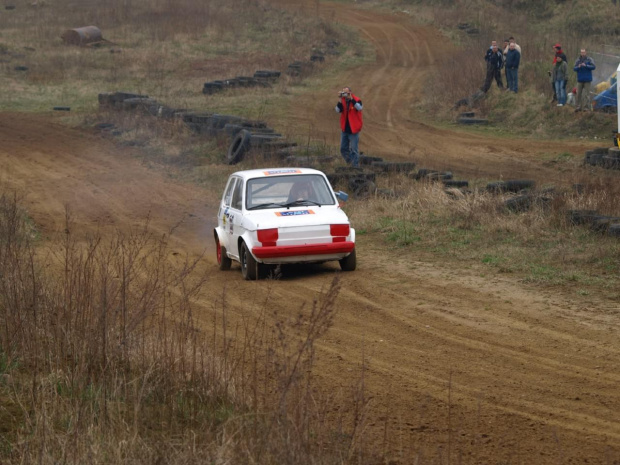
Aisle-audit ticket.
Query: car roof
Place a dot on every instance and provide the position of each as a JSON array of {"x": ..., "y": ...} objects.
[{"x": 272, "y": 172}]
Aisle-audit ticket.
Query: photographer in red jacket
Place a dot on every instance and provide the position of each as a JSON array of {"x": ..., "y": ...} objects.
[{"x": 350, "y": 109}]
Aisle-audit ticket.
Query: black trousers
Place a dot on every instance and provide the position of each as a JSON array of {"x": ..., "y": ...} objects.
[{"x": 492, "y": 73}]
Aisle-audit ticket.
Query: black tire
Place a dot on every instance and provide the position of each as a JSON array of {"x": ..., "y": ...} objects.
[
  {"x": 513, "y": 185},
  {"x": 610, "y": 162},
  {"x": 366, "y": 160},
  {"x": 602, "y": 223},
  {"x": 593, "y": 159},
  {"x": 520, "y": 203},
  {"x": 238, "y": 147},
  {"x": 262, "y": 139},
  {"x": 614, "y": 230},
  {"x": 581, "y": 216},
  {"x": 425, "y": 172},
  {"x": 348, "y": 263},
  {"x": 250, "y": 268},
  {"x": 473, "y": 121},
  {"x": 393, "y": 167},
  {"x": 452, "y": 183},
  {"x": 223, "y": 261},
  {"x": 361, "y": 187}
]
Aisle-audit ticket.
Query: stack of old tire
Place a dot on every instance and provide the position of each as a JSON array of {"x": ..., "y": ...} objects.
[
  {"x": 526, "y": 197},
  {"x": 253, "y": 138},
  {"x": 261, "y": 78},
  {"x": 130, "y": 101},
  {"x": 604, "y": 224},
  {"x": 361, "y": 180},
  {"x": 244, "y": 134},
  {"x": 605, "y": 157}
]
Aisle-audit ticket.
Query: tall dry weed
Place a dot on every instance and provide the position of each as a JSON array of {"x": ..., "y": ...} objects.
[{"x": 103, "y": 359}]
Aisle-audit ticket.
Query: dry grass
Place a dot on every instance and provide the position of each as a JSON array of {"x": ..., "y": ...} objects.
[
  {"x": 101, "y": 360},
  {"x": 539, "y": 245},
  {"x": 166, "y": 49}
]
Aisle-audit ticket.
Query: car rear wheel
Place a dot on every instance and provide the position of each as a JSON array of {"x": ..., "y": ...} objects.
[
  {"x": 349, "y": 262},
  {"x": 222, "y": 259},
  {"x": 249, "y": 266}
]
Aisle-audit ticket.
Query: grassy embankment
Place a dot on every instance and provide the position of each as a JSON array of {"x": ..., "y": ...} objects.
[{"x": 537, "y": 26}]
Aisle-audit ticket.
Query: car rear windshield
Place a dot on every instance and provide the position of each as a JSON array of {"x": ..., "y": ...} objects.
[{"x": 277, "y": 191}]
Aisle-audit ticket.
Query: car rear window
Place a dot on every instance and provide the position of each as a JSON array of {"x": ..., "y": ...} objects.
[{"x": 279, "y": 190}]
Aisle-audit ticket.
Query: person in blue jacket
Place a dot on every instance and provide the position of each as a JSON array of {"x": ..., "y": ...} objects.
[
  {"x": 583, "y": 67},
  {"x": 513, "y": 58}
]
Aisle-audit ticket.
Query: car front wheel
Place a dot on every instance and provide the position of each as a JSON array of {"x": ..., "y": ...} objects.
[
  {"x": 349, "y": 262},
  {"x": 222, "y": 259}
]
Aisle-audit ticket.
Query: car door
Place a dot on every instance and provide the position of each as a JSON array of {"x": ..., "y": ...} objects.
[
  {"x": 223, "y": 221},
  {"x": 235, "y": 218}
]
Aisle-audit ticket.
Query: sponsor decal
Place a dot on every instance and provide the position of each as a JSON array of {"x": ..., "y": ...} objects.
[
  {"x": 295, "y": 213},
  {"x": 285, "y": 171}
]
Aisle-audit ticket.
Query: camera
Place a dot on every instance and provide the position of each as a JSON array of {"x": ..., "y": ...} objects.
[{"x": 343, "y": 94}]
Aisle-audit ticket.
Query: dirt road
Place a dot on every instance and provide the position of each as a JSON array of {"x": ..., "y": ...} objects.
[{"x": 488, "y": 368}]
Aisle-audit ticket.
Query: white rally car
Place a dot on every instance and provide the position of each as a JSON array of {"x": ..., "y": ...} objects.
[{"x": 282, "y": 215}]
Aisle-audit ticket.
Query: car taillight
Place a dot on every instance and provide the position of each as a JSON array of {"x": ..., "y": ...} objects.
[
  {"x": 268, "y": 237},
  {"x": 339, "y": 232}
]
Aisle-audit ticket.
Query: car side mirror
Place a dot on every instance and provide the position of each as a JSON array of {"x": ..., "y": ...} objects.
[{"x": 342, "y": 196}]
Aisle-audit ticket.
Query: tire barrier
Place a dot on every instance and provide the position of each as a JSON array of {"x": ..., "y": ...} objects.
[
  {"x": 522, "y": 203},
  {"x": 392, "y": 167},
  {"x": 338, "y": 177},
  {"x": 365, "y": 160},
  {"x": 456, "y": 184},
  {"x": 609, "y": 225},
  {"x": 267, "y": 77},
  {"x": 431, "y": 175},
  {"x": 514, "y": 185},
  {"x": 605, "y": 157},
  {"x": 469, "y": 120},
  {"x": 244, "y": 134}
]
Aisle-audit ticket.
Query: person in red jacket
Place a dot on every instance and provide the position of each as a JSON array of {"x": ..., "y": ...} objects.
[{"x": 350, "y": 109}]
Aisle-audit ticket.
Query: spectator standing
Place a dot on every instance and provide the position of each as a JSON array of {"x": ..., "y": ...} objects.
[
  {"x": 560, "y": 76},
  {"x": 584, "y": 65},
  {"x": 511, "y": 40},
  {"x": 558, "y": 53},
  {"x": 513, "y": 59},
  {"x": 504, "y": 51},
  {"x": 350, "y": 109},
  {"x": 495, "y": 63}
]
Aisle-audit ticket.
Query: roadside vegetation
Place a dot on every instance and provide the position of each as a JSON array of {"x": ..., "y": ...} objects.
[{"x": 102, "y": 360}]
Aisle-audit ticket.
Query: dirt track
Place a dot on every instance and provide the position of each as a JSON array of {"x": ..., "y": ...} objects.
[{"x": 505, "y": 372}]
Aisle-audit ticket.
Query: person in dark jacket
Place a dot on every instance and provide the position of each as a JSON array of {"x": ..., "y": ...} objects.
[
  {"x": 558, "y": 52},
  {"x": 560, "y": 76},
  {"x": 513, "y": 58},
  {"x": 350, "y": 109},
  {"x": 583, "y": 67},
  {"x": 495, "y": 63}
]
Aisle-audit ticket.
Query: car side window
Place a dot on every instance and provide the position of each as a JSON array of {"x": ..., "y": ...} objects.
[
  {"x": 237, "y": 194},
  {"x": 228, "y": 193}
]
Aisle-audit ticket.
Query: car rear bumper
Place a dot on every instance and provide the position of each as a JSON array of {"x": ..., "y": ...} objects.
[{"x": 282, "y": 251}]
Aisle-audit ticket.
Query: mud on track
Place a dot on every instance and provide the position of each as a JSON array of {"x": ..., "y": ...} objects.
[{"x": 499, "y": 370}]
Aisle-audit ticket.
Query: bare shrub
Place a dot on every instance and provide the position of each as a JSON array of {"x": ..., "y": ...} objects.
[{"x": 108, "y": 363}]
